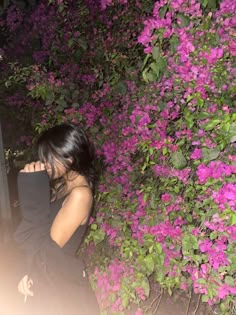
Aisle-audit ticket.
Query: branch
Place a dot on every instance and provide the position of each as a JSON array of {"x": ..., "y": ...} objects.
[
  {"x": 198, "y": 302},
  {"x": 189, "y": 301},
  {"x": 158, "y": 304}
]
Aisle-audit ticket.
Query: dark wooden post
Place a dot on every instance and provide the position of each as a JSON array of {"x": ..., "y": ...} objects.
[{"x": 5, "y": 209}]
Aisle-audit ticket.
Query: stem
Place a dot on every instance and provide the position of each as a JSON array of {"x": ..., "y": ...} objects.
[
  {"x": 156, "y": 298},
  {"x": 189, "y": 301},
  {"x": 198, "y": 302},
  {"x": 158, "y": 304}
]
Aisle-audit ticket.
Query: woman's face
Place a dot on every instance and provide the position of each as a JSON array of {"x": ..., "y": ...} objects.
[{"x": 59, "y": 169}]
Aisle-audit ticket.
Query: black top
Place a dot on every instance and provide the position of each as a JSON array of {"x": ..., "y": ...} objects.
[
  {"x": 58, "y": 274},
  {"x": 33, "y": 233}
]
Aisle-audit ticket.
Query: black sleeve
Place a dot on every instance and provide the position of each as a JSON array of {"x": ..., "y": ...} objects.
[
  {"x": 33, "y": 233},
  {"x": 34, "y": 196},
  {"x": 55, "y": 266}
]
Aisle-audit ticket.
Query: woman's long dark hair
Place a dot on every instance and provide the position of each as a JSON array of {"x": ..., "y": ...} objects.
[{"x": 68, "y": 144}]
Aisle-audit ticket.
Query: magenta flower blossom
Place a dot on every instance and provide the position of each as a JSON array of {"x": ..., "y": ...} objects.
[
  {"x": 214, "y": 55},
  {"x": 232, "y": 48},
  {"x": 205, "y": 246},
  {"x": 166, "y": 197},
  {"x": 231, "y": 230},
  {"x": 139, "y": 312},
  {"x": 215, "y": 169},
  {"x": 217, "y": 258},
  {"x": 196, "y": 154},
  {"x": 226, "y": 195},
  {"x": 225, "y": 290}
]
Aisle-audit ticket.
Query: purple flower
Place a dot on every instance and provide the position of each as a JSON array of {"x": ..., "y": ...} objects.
[
  {"x": 196, "y": 154},
  {"x": 205, "y": 246},
  {"x": 166, "y": 197},
  {"x": 225, "y": 290}
]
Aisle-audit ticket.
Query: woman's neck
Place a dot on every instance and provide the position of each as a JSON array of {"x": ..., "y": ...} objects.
[{"x": 73, "y": 179}]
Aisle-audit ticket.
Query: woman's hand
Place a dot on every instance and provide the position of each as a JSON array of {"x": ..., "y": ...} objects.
[
  {"x": 24, "y": 287},
  {"x": 33, "y": 167}
]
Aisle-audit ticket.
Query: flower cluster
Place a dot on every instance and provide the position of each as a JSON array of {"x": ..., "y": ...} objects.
[{"x": 166, "y": 200}]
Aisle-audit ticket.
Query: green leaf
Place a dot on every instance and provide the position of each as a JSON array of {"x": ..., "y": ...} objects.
[
  {"x": 155, "y": 68},
  {"x": 232, "y": 133},
  {"x": 162, "y": 64},
  {"x": 77, "y": 56},
  {"x": 50, "y": 98},
  {"x": 145, "y": 285},
  {"x": 189, "y": 218},
  {"x": 185, "y": 21},
  {"x": 153, "y": 202},
  {"x": 189, "y": 118},
  {"x": 83, "y": 43},
  {"x": 232, "y": 139},
  {"x": 210, "y": 154},
  {"x": 178, "y": 160},
  {"x": 121, "y": 88},
  {"x": 151, "y": 77},
  {"x": 213, "y": 235},
  {"x": 201, "y": 281},
  {"x": 211, "y": 124},
  {"x": 232, "y": 218},
  {"x": 70, "y": 42},
  {"x": 93, "y": 227},
  {"x": 149, "y": 264},
  {"x": 174, "y": 43},
  {"x": 159, "y": 276},
  {"x": 203, "y": 115},
  {"x": 205, "y": 298},
  {"x": 163, "y": 10},
  {"x": 125, "y": 299},
  {"x": 189, "y": 242},
  {"x": 211, "y": 4},
  {"x": 98, "y": 236},
  {"x": 229, "y": 280},
  {"x": 61, "y": 8},
  {"x": 145, "y": 61},
  {"x": 204, "y": 3},
  {"x": 144, "y": 74},
  {"x": 156, "y": 53},
  {"x": 158, "y": 248},
  {"x": 61, "y": 102},
  {"x": 164, "y": 150}
]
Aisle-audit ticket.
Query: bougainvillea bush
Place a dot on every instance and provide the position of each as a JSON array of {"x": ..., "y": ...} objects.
[{"x": 154, "y": 86}]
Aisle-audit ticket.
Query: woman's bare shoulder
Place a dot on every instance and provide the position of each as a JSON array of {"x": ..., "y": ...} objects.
[{"x": 79, "y": 194}]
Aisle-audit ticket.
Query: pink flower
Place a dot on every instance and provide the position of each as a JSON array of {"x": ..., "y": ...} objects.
[
  {"x": 138, "y": 312},
  {"x": 226, "y": 195},
  {"x": 205, "y": 245},
  {"x": 184, "y": 286},
  {"x": 203, "y": 173},
  {"x": 196, "y": 154},
  {"x": 232, "y": 48},
  {"x": 225, "y": 290},
  {"x": 166, "y": 197},
  {"x": 215, "y": 53}
]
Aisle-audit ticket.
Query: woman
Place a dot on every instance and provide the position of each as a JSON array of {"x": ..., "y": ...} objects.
[{"x": 56, "y": 198}]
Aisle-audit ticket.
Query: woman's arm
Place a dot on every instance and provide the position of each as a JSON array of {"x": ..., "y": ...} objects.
[
  {"x": 74, "y": 213},
  {"x": 34, "y": 197},
  {"x": 34, "y": 193}
]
